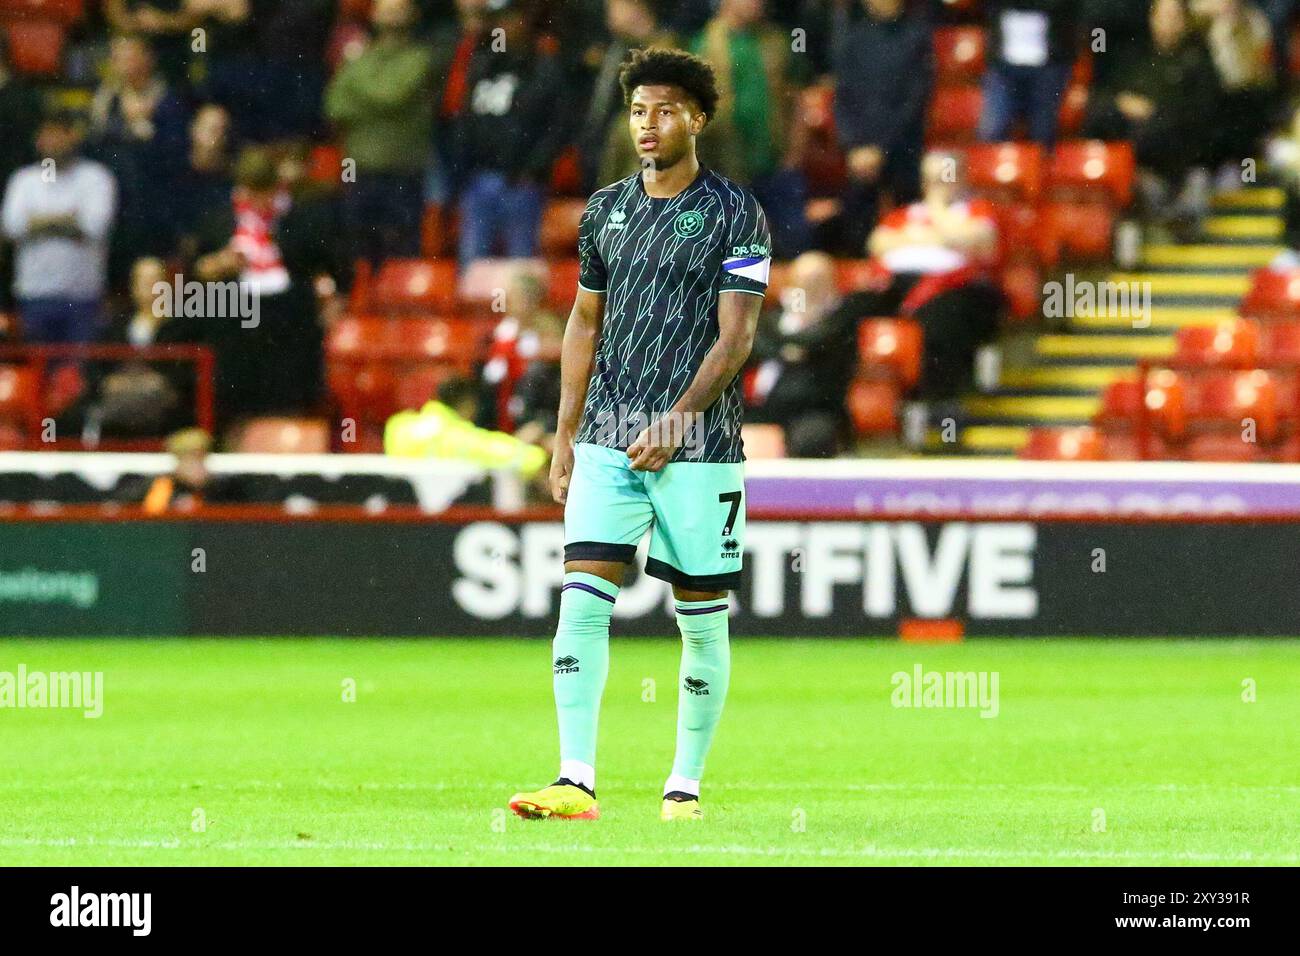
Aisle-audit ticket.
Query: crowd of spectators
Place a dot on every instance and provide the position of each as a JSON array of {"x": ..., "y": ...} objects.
[{"x": 190, "y": 153}]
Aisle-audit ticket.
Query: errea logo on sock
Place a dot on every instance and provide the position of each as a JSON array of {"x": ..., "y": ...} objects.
[
  {"x": 566, "y": 664},
  {"x": 693, "y": 685}
]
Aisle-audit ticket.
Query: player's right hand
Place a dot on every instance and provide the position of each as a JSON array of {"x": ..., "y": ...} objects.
[{"x": 561, "y": 470}]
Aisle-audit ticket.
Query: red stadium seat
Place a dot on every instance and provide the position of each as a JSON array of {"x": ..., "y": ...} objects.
[
  {"x": 1064, "y": 444},
  {"x": 1165, "y": 400},
  {"x": 566, "y": 173},
  {"x": 66, "y": 12},
  {"x": 35, "y": 46},
  {"x": 1022, "y": 285},
  {"x": 414, "y": 285},
  {"x": 763, "y": 441},
  {"x": 1005, "y": 172},
  {"x": 1080, "y": 231},
  {"x": 1273, "y": 295},
  {"x": 954, "y": 115},
  {"x": 563, "y": 284},
  {"x": 1280, "y": 343},
  {"x": 1224, "y": 400},
  {"x": 1023, "y": 236},
  {"x": 559, "y": 230},
  {"x": 284, "y": 436},
  {"x": 485, "y": 280},
  {"x": 1093, "y": 170},
  {"x": 959, "y": 53},
  {"x": 325, "y": 164},
  {"x": 455, "y": 341},
  {"x": 873, "y": 406},
  {"x": 891, "y": 346},
  {"x": 18, "y": 395},
  {"x": 854, "y": 275},
  {"x": 1233, "y": 342}
]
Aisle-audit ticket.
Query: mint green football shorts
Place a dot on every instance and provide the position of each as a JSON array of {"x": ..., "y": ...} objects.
[{"x": 694, "y": 511}]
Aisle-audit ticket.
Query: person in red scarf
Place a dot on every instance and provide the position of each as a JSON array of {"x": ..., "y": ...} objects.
[
  {"x": 275, "y": 240},
  {"x": 936, "y": 257}
]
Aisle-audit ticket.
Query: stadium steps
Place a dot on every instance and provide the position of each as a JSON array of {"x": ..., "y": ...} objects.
[{"x": 1063, "y": 373}]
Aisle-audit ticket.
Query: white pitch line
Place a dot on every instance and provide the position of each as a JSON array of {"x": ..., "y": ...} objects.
[
  {"x": 830, "y": 788},
  {"x": 866, "y": 853}
]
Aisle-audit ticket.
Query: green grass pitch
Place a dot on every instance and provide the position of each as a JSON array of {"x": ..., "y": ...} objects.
[{"x": 235, "y": 752}]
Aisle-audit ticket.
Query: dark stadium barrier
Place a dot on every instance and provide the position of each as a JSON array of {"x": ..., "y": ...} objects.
[{"x": 472, "y": 572}]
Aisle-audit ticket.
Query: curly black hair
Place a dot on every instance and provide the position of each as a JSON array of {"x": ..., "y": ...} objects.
[{"x": 673, "y": 67}]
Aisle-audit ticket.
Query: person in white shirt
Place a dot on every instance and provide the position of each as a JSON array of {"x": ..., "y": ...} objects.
[{"x": 58, "y": 213}]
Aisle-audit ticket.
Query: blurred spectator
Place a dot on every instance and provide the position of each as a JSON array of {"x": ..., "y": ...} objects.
[
  {"x": 383, "y": 103},
  {"x": 275, "y": 242},
  {"x": 190, "y": 484},
  {"x": 444, "y": 428},
  {"x": 883, "y": 74},
  {"x": 455, "y": 46},
  {"x": 1241, "y": 47},
  {"x": 58, "y": 213},
  {"x": 608, "y": 154},
  {"x": 804, "y": 355},
  {"x": 165, "y": 24},
  {"x": 133, "y": 399},
  {"x": 1163, "y": 98},
  {"x": 20, "y": 115},
  {"x": 266, "y": 63},
  {"x": 138, "y": 130},
  {"x": 756, "y": 138},
  {"x": 529, "y": 332},
  {"x": 1032, "y": 48},
  {"x": 205, "y": 184},
  {"x": 938, "y": 252},
  {"x": 507, "y": 139}
]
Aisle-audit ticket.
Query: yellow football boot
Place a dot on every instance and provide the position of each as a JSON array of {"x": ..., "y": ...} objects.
[
  {"x": 562, "y": 800},
  {"x": 681, "y": 806}
]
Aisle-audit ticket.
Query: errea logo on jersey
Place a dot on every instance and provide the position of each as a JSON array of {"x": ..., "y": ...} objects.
[{"x": 616, "y": 221}]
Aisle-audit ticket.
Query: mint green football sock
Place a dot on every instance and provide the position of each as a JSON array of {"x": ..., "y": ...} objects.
[
  {"x": 580, "y": 653},
  {"x": 705, "y": 674}
]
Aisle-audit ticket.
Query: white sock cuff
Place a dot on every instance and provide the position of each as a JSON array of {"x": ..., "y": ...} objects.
[
  {"x": 684, "y": 784},
  {"x": 579, "y": 772}
]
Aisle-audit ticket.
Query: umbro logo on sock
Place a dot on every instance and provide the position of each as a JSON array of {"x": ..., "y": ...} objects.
[
  {"x": 696, "y": 686},
  {"x": 566, "y": 664}
]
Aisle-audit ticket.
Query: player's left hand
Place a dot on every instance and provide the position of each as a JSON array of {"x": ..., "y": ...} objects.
[{"x": 653, "y": 448}]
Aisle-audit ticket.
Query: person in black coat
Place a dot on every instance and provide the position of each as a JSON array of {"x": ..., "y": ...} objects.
[
  {"x": 884, "y": 68},
  {"x": 274, "y": 240}
]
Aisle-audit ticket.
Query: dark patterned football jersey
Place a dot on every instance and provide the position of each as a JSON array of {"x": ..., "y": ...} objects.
[{"x": 662, "y": 264}]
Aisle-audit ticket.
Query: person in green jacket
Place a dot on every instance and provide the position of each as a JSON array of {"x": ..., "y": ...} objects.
[{"x": 382, "y": 104}]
